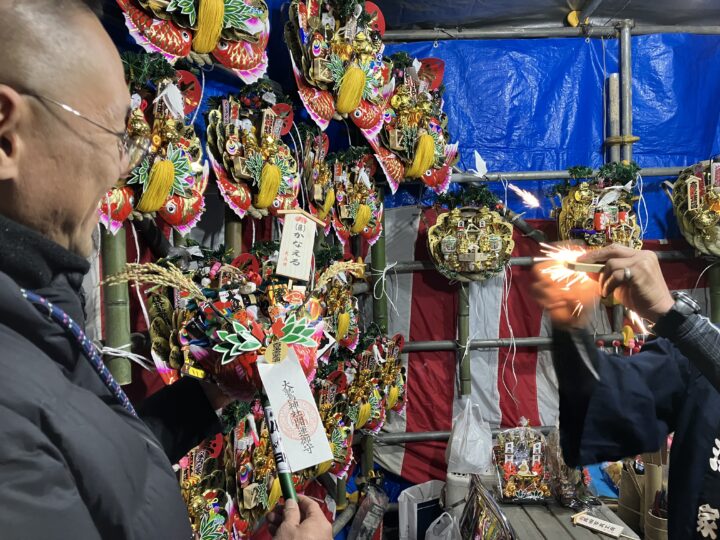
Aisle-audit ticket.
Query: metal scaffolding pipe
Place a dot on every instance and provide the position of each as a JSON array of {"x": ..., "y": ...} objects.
[
  {"x": 447, "y": 345},
  {"x": 429, "y": 346},
  {"x": 360, "y": 288},
  {"x": 440, "y": 34},
  {"x": 408, "y": 267},
  {"x": 626, "y": 150},
  {"x": 343, "y": 519},
  {"x": 400, "y": 36},
  {"x": 518, "y": 176},
  {"x": 425, "y": 436}
]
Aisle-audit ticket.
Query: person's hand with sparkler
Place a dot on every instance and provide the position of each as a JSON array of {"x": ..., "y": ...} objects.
[
  {"x": 634, "y": 278},
  {"x": 564, "y": 293},
  {"x": 302, "y": 520}
]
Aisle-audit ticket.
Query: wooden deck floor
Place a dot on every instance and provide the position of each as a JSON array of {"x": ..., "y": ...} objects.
[{"x": 539, "y": 522}]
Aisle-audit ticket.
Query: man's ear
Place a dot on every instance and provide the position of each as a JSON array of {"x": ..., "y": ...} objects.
[{"x": 10, "y": 112}]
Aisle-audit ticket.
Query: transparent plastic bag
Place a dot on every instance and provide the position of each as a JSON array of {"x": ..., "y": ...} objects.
[
  {"x": 470, "y": 448},
  {"x": 445, "y": 527}
]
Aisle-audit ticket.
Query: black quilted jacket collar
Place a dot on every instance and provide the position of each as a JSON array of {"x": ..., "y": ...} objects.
[{"x": 33, "y": 261}]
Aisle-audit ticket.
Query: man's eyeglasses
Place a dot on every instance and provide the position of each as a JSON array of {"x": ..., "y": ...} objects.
[{"x": 133, "y": 149}]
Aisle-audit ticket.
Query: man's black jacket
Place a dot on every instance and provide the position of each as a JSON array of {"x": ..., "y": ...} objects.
[{"x": 73, "y": 463}]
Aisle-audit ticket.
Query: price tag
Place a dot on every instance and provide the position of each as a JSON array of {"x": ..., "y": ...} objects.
[
  {"x": 297, "y": 418},
  {"x": 296, "y": 247},
  {"x": 599, "y": 525}
]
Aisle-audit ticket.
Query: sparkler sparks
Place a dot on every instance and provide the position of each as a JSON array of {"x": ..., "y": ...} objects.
[
  {"x": 528, "y": 199},
  {"x": 558, "y": 272},
  {"x": 638, "y": 321}
]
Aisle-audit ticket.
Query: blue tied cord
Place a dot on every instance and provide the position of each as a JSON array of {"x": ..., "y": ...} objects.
[{"x": 87, "y": 347}]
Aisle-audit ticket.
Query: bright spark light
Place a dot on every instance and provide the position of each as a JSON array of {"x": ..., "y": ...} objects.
[
  {"x": 637, "y": 320},
  {"x": 528, "y": 199},
  {"x": 559, "y": 272}
]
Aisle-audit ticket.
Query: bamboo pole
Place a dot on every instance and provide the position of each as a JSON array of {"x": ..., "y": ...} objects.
[
  {"x": 613, "y": 114},
  {"x": 463, "y": 338},
  {"x": 116, "y": 304},
  {"x": 378, "y": 262},
  {"x": 178, "y": 239},
  {"x": 626, "y": 150},
  {"x": 233, "y": 232},
  {"x": 341, "y": 494}
]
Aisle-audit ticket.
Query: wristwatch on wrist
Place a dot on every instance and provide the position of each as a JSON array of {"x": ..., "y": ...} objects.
[{"x": 684, "y": 307}]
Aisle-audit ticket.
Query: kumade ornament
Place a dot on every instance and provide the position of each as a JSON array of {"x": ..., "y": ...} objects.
[
  {"x": 232, "y": 33},
  {"x": 170, "y": 181},
  {"x": 317, "y": 175},
  {"x": 695, "y": 198},
  {"x": 357, "y": 209},
  {"x": 255, "y": 170},
  {"x": 470, "y": 243},
  {"x": 414, "y": 142},
  {"x": 600, "y": 211},
  {"x": 336, "y": 51},
  {"x": 520, "y": 461}
]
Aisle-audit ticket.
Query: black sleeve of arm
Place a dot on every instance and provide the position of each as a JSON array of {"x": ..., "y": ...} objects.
[
  {"x": 576, "y": 384},
  {"x": 39, "y": 497},
  {"x": 180, "y": 416},
  {"x": 629, "y": 409},
  {"x": 699, "y": 340}
]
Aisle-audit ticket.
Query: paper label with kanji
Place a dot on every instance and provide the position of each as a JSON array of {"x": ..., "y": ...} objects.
[
  {"x": 600, "y": 525},
  {"x": 298, "y": 419},
  {"x": 296, "y": 247}
]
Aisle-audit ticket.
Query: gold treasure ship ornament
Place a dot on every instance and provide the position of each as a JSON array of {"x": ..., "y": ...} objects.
[{"x": 470, "y": 244}]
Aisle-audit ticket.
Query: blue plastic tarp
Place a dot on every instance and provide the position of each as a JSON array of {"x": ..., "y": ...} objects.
[{"x": 538, "y": 105}]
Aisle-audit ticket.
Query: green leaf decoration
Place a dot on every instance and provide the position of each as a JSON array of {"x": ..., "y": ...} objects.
[
  {"x": 234, "y": 339},
  {"x": 410, "y": 134},
  {"x": 262, "y": 493},
  {"x": 211, "y": 527},
  {"x": 182, "y": 170},
  {"x": 238, "y": 327},
  {"x": 141, "y": 68},
  {"x": 337, "y": 69},
  {"x": 141, "y": 174},
  {"x": 187, "y": 7},
  {"x": 250, "y": 346},
  {"x": 255, "y": 165},
  {"x": 237, "y": 13},
  {"x": 580, "y": 171},
  {"x": 371, "y": 83},
  {"x": 226, "y": 352},
  {"x": 241, "y": 341},
  {"x": 353, "y": 413}
]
